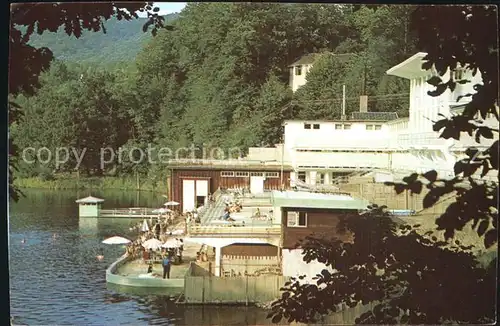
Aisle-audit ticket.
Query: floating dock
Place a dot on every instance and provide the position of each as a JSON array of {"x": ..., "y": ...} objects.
[{"x": 91, "y": 207}]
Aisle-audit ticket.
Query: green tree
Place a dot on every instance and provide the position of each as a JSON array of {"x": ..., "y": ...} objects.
[
  {"x": 27, "y": 62},
  {"x": 417, "y": 278}
]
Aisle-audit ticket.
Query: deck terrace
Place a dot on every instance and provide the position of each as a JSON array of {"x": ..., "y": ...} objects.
[{"x": 245, "y": 224}]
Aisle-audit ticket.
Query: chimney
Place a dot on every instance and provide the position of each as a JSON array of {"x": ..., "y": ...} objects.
[{"x": 363, "y": 103}]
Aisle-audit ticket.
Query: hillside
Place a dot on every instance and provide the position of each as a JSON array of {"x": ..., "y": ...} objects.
[{"x": 122, "y": 42}]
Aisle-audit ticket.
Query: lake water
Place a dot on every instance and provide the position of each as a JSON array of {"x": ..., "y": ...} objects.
[{"x": 55, "y": 277}]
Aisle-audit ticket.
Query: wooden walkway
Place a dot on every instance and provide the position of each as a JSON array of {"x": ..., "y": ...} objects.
[{"x": 128, "y": 213}]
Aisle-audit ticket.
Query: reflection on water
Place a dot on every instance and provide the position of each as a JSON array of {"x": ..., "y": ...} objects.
[{"x": 55, "y": 277}]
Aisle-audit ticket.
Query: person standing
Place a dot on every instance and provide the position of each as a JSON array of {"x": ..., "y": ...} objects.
[{"x": 166, "y": 267}]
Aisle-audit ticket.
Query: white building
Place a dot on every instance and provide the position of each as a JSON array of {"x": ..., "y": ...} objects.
[
  {"x": 300, "y": 68},
  {"x": 320, "y": 150}
]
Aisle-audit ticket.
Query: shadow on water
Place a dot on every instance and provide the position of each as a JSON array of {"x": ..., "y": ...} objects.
[{"x": 68, "y": 285}]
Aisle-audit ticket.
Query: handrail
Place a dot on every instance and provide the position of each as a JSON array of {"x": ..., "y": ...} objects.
[
  {"x": 230, "y": 230},
  {"x": 224, "y": 162}
]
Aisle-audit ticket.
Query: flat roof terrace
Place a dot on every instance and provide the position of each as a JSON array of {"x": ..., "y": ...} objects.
[{"x": 245, "y": 222}]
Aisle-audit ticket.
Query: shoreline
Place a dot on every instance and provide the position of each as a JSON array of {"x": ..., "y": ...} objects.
[{"x": 69, "y": 182}]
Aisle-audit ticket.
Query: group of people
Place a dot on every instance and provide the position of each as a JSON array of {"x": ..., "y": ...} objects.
[
  {"x": 168, "y": 256},
  {"x": 231, "y": 208}
]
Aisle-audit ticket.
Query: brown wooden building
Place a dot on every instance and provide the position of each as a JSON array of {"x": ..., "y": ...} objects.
[
  {"x": 304, "y": 214},
  {"x": 191, "y": 182},
  {"x": 302, "y": 222}
]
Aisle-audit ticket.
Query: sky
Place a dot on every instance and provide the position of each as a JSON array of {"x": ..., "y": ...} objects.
[{"x": 167, "y": 7}]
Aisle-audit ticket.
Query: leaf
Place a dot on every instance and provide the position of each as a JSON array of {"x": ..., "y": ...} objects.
[
  {"x": 493, "y": 152},
  {"x": 471, "y": 152},
  {"x": 430, "y": 175},
  {"x": 459, "y": 167},
  {"x": 490, "y": 238},
  {"x": 485, "y": 132},
  {"x": 483, "y": 226},
  {"x": 146, "y": 26},
  {"x": 277, "y": 318},
  {"x": 486, "y": 168},
  {"x": 399, "y": 188},
  {"x": 411, "y": 178},
  {"x": 427, "y": 65},
  {"x": 416, "y": 187},
  {"x": 429, "y": 200},
  {"x": 440, "y": 89},
  {"x": 434, "y": 81}
]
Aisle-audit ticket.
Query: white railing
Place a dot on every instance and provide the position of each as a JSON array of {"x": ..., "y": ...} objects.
[
  {"x": 420, "y": 139},
  {"x": 236, "y": 231}
]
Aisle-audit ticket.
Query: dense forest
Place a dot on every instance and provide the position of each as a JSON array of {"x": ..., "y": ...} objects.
[
  {"x": 218, "y": 79},
  {"x": 121, "y": 43}
]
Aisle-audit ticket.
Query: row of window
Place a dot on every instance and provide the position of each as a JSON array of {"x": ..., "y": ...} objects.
[
  {"x": 308, "y": 126},
  {"x": 296, "y": 219},
  {"x": 320, "y": 177},
  {"x": 243, "y": 174},
  {"x": 342, "y": 126},
  {"x": 373, "y": 127}
]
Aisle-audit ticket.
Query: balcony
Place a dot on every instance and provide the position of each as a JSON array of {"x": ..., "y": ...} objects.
[
  {"x": 236, "y": 230},
  {"x": 420, "y": 139}
]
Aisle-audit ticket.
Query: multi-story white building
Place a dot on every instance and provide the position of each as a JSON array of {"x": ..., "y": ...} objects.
[{"x": 321, "y": 150}]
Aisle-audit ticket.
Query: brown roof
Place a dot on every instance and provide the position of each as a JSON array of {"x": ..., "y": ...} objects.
[
  {"x": 234, "y": 165},
  {"x": 374, "y": 116}
]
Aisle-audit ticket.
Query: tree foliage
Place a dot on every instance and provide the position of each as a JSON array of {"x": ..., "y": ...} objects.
[
  {"x": 468, "y": 47},
  {"x": 27, "y": 62},
  {"x": 415, "y": 278}
]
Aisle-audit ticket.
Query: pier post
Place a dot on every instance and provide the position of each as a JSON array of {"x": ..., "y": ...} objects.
[{"x": 217, "y": 261}]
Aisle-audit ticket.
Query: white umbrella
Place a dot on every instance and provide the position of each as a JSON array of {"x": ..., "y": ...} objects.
[
  {"x": 116, "y": 240},
  {"x": 152, "y": 244},
  {"x": 170, "y": 243},
  {"x": 145, "y": 226},
  {"x": 162, "y": 210},
  {"x": 171, "y": 203}
]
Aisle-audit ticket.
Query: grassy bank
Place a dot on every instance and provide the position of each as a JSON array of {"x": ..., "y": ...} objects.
[{"x": 62, "y": 182}]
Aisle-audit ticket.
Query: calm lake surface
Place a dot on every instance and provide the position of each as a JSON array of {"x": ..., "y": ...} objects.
[{"x": 55, "y": 277}]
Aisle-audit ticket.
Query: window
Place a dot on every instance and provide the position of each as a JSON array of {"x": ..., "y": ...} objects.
[
  {"x": 320, "y": 178},
  {"x": 369, "y": 127},
  {"x": 378, "y": 127},
  {"x": 316, "y": 126},
  {"x": 272, "y": 175},
  {"x": 242, "y": 174},
  {"x": 307, "y": 126},
  {"x": 342, "y": 126},
  {"x": 227, "y": 174},
  {"x": 297, "y": 219},
  {"x": 256, "y": 174},
  {"x": 302, "y": 176},
  {"x": 298, "y": 70}
]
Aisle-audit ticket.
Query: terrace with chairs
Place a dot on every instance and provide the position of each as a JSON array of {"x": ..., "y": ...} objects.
[{"x": 250, "y": 215}]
